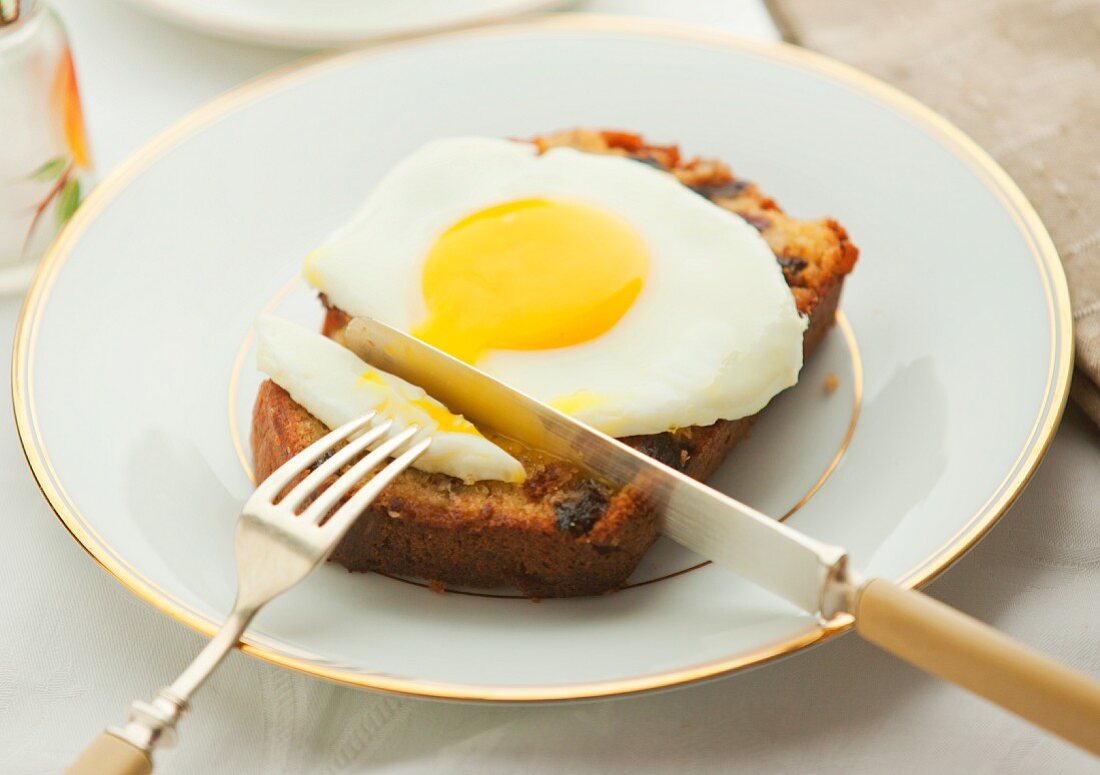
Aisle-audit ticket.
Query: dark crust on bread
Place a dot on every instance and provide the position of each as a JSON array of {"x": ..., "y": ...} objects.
[{"x": 559, "y": 534}]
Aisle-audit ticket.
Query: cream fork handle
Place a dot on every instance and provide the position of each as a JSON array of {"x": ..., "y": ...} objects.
[
  {"x": 111, "y": 755},
  {"x": 951, "y": 645}
]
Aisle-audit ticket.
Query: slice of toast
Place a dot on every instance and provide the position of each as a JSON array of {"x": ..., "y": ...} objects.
[{"x": 559, "y": 534}]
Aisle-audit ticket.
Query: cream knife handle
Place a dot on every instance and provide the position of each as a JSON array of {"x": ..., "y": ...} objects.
[
  {"x": 111, "y": 755},
  {"x": 946, "y": 643}
]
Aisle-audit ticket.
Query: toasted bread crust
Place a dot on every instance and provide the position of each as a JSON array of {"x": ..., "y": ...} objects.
[{"x": 559, "y": 534}]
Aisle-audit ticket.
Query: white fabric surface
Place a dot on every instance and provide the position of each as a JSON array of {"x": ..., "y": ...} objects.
[{"x": 76, "y": 648}]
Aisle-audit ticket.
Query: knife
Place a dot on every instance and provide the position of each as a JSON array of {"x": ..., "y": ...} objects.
[{"x": 813, "y": 575}]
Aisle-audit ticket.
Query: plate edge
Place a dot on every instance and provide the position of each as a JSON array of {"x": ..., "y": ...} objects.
[{"x": 966, "y": 150}]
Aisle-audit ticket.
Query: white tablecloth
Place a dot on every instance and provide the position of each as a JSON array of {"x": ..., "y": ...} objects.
[{"x": 75, "y": 647}]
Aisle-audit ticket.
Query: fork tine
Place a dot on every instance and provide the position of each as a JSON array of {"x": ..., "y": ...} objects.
[
  {"x": 338, "y": 489},
  {"x": 284, "y": 474},
  {"x": 342, "y": 456},
  {"x": 350, "y": 511}
]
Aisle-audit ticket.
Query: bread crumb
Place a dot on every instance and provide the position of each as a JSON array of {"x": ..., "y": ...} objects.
[
  {"x": 832, "y": 382},
  {"x": 536, "y": 599},
  {"x": 437, "y": 587}
]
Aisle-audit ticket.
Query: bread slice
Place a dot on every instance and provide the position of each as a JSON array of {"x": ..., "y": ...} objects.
[{"x": 559, "y": 533}]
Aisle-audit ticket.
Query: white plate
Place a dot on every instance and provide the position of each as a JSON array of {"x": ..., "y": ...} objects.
[
  {"x": 132, "y": 366},
  {"x": 324, "y": 23}
]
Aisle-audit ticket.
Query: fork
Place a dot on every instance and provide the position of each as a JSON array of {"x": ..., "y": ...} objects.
[{"x": 279, "y": 541}]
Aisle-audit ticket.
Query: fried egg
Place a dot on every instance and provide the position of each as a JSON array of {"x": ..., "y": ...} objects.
[
  {"x": 595, "y": 283},
  {"x": 336, "y": 386}
]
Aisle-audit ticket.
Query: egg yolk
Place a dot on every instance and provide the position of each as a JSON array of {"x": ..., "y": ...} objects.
[
  {"x": 452, "y": 423},
  {"x": 531, "y": 274},
  {"x": 576, "y": 401}
]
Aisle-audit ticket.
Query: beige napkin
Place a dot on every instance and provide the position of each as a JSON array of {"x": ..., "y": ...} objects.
[{"x": 1022, "y": 77}]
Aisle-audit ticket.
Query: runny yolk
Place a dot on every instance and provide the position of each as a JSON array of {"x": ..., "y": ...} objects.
[
  {"x": 452, "y": 423},
  {"x": 531, "y": 274},
  {"x": 576, "y": 401}
]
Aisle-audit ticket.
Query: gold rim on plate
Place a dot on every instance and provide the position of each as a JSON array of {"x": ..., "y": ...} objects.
[{"x": 1059, "y": 369}]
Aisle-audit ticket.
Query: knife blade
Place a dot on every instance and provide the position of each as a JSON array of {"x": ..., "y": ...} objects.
[
  {"x": 778, "y": 558},
  {"x": 813, "y": 575}
]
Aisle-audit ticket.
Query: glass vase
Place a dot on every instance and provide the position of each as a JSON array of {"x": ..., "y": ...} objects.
[{"x": 45, "y": 164}]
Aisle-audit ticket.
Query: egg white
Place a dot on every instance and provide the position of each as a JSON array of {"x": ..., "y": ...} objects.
[
  {"x": 328, "y": 380},
  {"x": 714, "y": 333}
]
